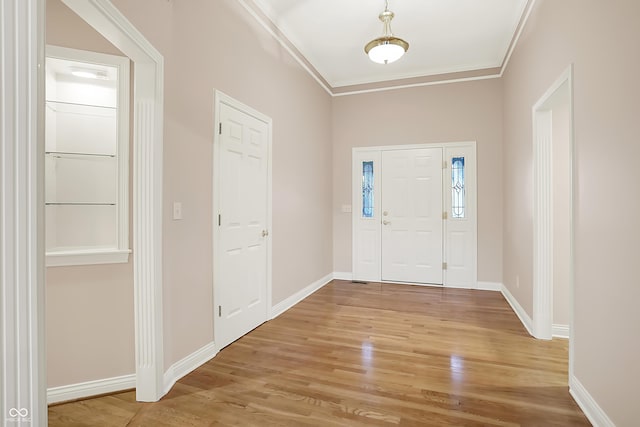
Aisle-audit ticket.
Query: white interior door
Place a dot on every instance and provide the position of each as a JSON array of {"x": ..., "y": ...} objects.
[
  {"x": 412, "y": 239},
  {"x": 242, "y": 186}
]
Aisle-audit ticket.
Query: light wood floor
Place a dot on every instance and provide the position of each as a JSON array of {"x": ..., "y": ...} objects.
[{"x": 375, "y": 354}]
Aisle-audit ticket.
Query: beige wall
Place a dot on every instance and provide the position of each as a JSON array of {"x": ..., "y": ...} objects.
[
  {"x": 470, "y": 111},
  {"x": 255, "y": 70},
  {"x": 211, "y": 45},
  {"x": 600, "y": 38},
  {"x": 90, "y": 331},
  {"x": 65, "y": 28}
]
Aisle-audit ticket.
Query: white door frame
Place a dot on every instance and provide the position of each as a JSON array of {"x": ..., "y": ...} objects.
[
  {"x": 148, "y": 85},
  {"x": 543, "y": 213},
  {"x": 22, "y": 316},
  {"x": 218, "y": 99},
  {"x": 356, "y": 194},
  {"x": 22, "y": 175}
]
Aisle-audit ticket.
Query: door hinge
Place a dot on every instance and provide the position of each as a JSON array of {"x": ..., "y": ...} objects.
[
  {"x": 219, "y": 311},
  {"x": 444, "y": 164},
  {"x": 219, "y": 220},
  {"x": 445, "y": 215},
  {"x": 444, "y": 265},
  {"x": 220, "y": 128}
]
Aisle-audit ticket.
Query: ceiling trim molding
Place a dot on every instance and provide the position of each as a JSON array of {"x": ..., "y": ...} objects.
[
  {"x": 428, "y": 80},
  {"x": 406, "y": 86},
  {"x": 257, "y": 13},
  {"x": 392, "y": 79},
  {"x": 518, "y": 33}
]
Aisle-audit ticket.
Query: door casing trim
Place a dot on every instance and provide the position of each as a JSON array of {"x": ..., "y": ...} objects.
[
  {"x": 148, "y": 117},
  {"x": 542, "y": 318}
]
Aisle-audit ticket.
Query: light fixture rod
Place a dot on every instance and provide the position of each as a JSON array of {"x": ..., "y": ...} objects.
[{"x": 386, "y": 18}]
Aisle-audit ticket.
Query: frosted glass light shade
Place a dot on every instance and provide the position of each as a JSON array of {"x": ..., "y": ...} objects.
[{"x": 386, "y": 51}]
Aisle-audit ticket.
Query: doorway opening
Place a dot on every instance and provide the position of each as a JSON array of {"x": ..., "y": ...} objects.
[
  {"x": 553, "y": 276},
  {"x": 148, "y": 81}
]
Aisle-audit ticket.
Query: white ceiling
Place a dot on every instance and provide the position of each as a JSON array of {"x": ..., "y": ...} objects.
[{"x": 445, "y": 36}]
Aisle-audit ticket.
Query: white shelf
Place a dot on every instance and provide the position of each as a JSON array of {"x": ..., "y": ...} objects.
[
  {"x": 86, "y": 256},
  {"x": 80, "y": 108},
  {"x": 65, "y": 154}
]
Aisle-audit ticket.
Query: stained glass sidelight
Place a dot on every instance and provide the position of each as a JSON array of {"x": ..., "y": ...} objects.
[
  {"x": 367, "y": 189},
  {"x": 457, "y": 187}
]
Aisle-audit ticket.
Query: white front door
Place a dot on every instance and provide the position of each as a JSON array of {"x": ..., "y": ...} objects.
[
  {"x": 412, "y": 216},
  {"x": 242, "y": 186}
]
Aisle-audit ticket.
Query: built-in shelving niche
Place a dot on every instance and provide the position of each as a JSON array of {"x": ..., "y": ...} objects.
[{"x": 86, "y": 157}]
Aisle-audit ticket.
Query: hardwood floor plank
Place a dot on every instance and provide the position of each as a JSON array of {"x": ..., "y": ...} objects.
[{"x": 363, "y": 355}]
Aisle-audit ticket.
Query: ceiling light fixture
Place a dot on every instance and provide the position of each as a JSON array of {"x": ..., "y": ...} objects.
[
  {"x": 89, "y": 74},
  {"x": 388, "y": 48}
]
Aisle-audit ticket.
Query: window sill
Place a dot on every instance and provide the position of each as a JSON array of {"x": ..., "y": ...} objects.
[{"x": 87, "y": 257}]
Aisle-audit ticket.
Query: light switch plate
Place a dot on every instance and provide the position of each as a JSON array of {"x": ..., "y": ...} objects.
[{"x": 177, "y": 210}]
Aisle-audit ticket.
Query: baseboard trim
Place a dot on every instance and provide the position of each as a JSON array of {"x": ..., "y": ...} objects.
[
  {"x": 341, "y": 275},
  {"x": 517, "y": 308},
  {"x": 125, "y": 382},
  {"x": 560, "y": 331},
  {"x": 489, "y": 286},
  {"x": 483, "y": 286},
  {"x": 454, "y": 286},
  {"x": 587, "y": 403},
  {"x": 90, "y": 388},
  {"x": 286, "y": 304},
  {"x": 187, "y": 364}
]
